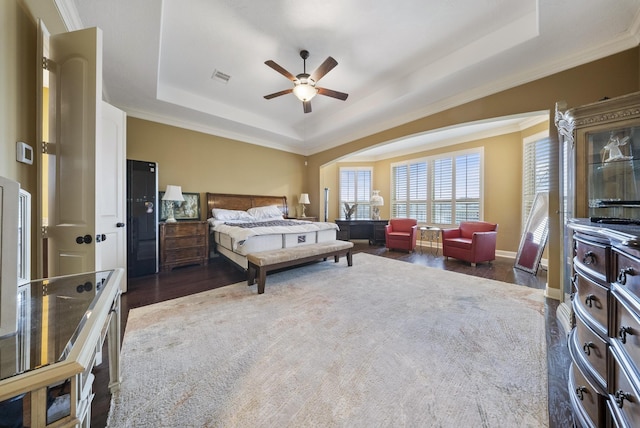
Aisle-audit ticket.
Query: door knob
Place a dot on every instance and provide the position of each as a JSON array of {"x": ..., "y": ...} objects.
[
  {"x": 100, "y": 238},
  {"x": 119, "y": 224},
  {"x": 86, "y": 239}
]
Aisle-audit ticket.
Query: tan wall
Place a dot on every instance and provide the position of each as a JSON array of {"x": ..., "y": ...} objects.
[
  {"x": 204, "y": 163},
  {"x": 208, "y": 163},
  {"x": 612, "y": 76},
  {"x": 502, "y": 181},
  {"x": 18, "y": 99},
  {"x": 17, "y": 91}
]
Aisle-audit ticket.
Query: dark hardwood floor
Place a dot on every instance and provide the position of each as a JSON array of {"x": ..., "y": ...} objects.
[{"x": 194, "y": 279}]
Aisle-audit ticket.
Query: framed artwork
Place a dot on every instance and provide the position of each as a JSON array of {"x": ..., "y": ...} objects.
[{"x": 187, "y": 210}]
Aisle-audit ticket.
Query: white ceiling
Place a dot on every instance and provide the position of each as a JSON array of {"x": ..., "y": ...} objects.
[{"x": 398, "y": 61}]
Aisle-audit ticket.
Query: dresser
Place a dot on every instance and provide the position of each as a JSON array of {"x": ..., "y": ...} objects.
[
  {"x": 183, "y": 243},
  {"x": 372, "y": 230},
  {"x": 604, "y": 343}
]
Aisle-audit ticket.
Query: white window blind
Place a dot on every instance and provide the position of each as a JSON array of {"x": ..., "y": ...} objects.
[
  {"x": 467, "y": 205},
  {"x": 440, "y": 190},
  {"x": 355, "y": 188},
  {"x": 442, "y": 205},
  {"x": 409, "y": 193},
  {"x": 535, "y": 170}
]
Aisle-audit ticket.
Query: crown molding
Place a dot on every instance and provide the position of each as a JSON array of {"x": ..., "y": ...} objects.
[{"x": 69, "y": 14}]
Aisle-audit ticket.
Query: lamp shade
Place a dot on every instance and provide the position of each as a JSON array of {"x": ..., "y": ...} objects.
[
  {"x": 173, "y": 193},
  {"x": 376, "y": 200},
  {"x": 304, "y": 198}
]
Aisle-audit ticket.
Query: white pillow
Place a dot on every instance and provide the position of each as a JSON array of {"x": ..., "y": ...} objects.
[
  {"x": 268, "y": 212},
  {"x": 222, "y": 214}
]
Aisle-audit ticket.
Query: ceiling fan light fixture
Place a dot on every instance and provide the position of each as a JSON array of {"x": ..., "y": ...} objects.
[{"x": 304, "y": 91}]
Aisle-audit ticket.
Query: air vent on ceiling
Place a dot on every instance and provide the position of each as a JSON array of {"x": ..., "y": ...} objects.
[{"x": 220, "y": 76}]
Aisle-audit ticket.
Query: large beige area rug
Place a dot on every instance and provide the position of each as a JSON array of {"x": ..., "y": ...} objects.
[{"x": 383, "y": 343}]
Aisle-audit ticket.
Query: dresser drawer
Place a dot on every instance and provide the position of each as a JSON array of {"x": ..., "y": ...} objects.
[
  {"x": 591, "y": 349},
  {"x": 624, "y": 404},
  {"x": 185, "y": 229},
  {"x": 592, "y": 299},
  {"x": 589, "y": 405},
  {"x": 625, "y": 331},
  {"x": 185, "y": 254},
  {"x": 627, "y": 271},
  {"x": 592, "y": 257},
  {"x": 182, "y": 242}
]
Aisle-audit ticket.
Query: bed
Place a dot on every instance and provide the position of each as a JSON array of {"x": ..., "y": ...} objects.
[{"x": 245, "y": 224}]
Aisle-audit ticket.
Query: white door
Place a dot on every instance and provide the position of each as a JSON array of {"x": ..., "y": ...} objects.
[
  {"x": 111, "y": 239},
  {"x": 75, "y": 113}
]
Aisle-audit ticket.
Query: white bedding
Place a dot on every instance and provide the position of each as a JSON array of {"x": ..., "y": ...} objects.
[{"x": 303, "y": 232}]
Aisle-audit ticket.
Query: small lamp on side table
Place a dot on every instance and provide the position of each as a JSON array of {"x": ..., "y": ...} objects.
[
  {"x": 376, "y": 202},
  {"x": 172, "y": 195},
  {"x": 303, "y": 200}
]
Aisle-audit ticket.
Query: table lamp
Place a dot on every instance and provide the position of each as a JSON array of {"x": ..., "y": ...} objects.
[
  {"x": 303, "y": 200},
  {"x": 172, "y": 194},
  {"x": 376, "y": 202}
]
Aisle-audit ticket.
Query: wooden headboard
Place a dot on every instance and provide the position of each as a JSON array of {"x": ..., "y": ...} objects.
[{"x": 244, "y": 202}]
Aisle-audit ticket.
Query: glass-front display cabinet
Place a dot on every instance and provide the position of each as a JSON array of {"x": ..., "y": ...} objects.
[{"x": 600, "y": 177}]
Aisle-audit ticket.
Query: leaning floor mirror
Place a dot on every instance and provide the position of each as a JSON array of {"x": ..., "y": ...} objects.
[{"x": 534, "y": 236}]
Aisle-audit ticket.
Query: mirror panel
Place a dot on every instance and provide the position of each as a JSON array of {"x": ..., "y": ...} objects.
[{"x": 534, "y": 236}]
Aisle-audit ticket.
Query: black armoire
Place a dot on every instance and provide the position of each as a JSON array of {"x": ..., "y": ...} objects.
[{"x": 142, "y": 218}]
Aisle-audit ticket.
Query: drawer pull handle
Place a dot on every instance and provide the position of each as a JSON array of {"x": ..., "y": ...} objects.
[
  {"x": 620, "y": 396},
  {"x": 589, "y": 258},
  {"x": 587, "y": 347},
  {"x": 622, "y": 275},
  {"x": 574, "y": 280},
  {"x": 622, "y": 333},
  {"x": 580, "y": 392},
  {"x": 589, "y": 300}
]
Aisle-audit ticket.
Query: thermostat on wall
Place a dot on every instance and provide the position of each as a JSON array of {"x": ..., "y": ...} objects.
[{"x": 24, "y": 153}]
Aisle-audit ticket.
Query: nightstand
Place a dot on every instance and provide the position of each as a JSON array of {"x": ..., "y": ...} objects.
[{"x": 183, "y": 243}]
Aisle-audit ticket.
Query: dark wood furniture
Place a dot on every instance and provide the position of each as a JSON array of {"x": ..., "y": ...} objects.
[
  {"x": 604, "y": 345},
  {"x": 266, "y": 261},
  {"x": 231, "y": 201},
  {"x": 183, "y": 243},
  {"x": 373, "y": 230}
]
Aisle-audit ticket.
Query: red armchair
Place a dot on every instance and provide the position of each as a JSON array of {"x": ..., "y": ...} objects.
[
  {"x": 473, "y": 241},
  {"x": 401, "y": 234}
]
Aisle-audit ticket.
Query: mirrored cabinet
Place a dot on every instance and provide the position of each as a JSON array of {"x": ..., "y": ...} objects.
[{"x": 600, "y": 209}]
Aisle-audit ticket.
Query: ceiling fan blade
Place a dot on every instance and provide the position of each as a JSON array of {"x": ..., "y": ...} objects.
[
  {"x": 324, "y": 68},
  {"x": 277, "y": 94},
  {"x": 306, "y": 105},
  {"x": 280, "y": 70},
  {"x": 331, "y": 93}
]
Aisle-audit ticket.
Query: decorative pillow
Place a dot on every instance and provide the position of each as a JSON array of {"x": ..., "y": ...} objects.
[
  {"x": 268, "y": 212},
  {"x": 222, "y": 214}
]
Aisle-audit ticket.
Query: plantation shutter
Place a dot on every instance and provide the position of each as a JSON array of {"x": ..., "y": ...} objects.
[
  {"x": 400, "y": 190},
  {"x": 535, "y": 172},
  {"x": 442, "y": 205},
  {"x": 418, "y": 191},
  {"x": 468, "y": 184},
  {"x": 355, "y": 188}
]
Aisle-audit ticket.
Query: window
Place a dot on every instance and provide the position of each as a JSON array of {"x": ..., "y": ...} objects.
[
  {"x": 355, "y": 188},
  {"x": 535, "y": 170},
  {"x": 438, "y": 190}
]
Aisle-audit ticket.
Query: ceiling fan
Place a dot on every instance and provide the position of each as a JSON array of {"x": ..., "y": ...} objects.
[{"x": 304, "y": 85}]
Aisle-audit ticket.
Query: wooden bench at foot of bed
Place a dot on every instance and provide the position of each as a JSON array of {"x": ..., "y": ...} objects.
[{"x": 265, "y": 261}]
